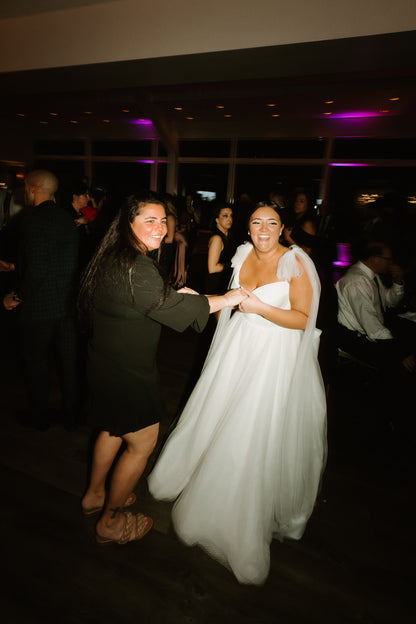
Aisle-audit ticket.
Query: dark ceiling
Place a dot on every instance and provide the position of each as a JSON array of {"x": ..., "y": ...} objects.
[{"x": 357, "y": 74}]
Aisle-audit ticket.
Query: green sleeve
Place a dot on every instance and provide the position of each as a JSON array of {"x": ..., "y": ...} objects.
[{"x": 175, "y": 310}]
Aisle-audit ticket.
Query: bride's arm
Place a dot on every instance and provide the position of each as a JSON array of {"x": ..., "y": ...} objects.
[{"x": 300, "y": 295}]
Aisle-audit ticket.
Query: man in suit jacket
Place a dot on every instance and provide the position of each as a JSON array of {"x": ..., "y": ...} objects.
[{"x": 45, "y": 294}]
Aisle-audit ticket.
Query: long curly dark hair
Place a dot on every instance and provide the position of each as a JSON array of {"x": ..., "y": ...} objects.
[{"x": 119, "y": 243}]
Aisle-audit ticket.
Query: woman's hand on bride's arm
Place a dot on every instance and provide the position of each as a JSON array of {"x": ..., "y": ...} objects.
[
  {"x": 236, "y": 296},
  {"x": 230, "y": 299}
]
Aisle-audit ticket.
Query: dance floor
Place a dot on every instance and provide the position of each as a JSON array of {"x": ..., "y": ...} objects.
[{"x": 355, "y": 563}]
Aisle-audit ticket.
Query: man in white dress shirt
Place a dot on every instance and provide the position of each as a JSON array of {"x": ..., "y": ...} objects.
[{"x": 363, "y": 300}]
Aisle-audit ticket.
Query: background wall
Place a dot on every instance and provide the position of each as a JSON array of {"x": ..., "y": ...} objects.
[{"x": 53, "y": 33}]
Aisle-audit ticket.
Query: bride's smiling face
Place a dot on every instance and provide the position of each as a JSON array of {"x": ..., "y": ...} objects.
[{"x": 265, "y": 228}]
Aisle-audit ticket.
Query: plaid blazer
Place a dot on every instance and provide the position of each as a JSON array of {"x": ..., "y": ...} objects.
[{"x": 47, "y": 263}]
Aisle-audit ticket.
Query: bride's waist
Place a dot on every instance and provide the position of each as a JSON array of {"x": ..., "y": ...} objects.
[{"x": 260, "y": 321}]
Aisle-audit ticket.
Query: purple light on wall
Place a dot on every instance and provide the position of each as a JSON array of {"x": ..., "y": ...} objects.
[
  {"x": 343, "y": 255},
  {"x": 333, "y": 164},
  {"x": 141, "y": 122},
  {"x": 355, "y": 115}
]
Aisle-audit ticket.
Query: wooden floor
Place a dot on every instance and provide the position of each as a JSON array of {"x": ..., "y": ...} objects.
[{"x": 355, "y": 563}]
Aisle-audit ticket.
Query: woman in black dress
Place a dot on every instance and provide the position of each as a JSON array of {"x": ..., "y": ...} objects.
[
  {"x": 220, "y": 251},
  {"x": 127, "y": 301},
  {"x": 303, "y": 230}
]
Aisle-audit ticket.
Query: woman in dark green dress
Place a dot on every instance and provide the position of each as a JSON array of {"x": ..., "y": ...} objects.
[{"x": 127, "y": 301}]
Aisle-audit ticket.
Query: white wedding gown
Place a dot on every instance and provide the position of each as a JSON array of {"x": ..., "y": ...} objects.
[{"x": 246, "y": 457}]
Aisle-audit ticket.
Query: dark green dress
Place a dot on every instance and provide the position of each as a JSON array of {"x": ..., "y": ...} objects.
[{"x": 122, "y": 374}]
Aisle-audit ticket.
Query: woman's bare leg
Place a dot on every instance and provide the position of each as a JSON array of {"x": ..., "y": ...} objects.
[
  {"x": 105, "y": 450},
  {"x": 127, "y": 472}
]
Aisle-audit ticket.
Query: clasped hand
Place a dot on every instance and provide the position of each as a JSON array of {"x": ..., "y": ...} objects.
[
  {"x": 251, "y": 304},
  {"x": 236, "y": 296}
]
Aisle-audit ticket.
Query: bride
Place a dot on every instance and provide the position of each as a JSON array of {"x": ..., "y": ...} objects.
[{"x": 245, "y": 461}]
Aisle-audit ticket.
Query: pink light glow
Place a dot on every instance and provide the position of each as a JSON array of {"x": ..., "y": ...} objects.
[
  {"x": 148, "y": 161},
  {"x": 355, "y": 115},
  {"x": 349, "y": 164},
  {"x": 141, "y": 122},
  {"x": 344, "y": 255}
]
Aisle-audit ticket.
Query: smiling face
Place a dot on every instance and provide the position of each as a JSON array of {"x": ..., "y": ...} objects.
[
  {"x": 224, "y": 220},
  {"x": 149, "y": 226},
  {"x": 265, "y": 228}
]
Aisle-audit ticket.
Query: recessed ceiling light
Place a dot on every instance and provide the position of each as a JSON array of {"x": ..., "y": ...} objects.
[
  {"x": 329, "y": 102},
  {"x": 178, "y": 108},
  {"x": 125, "y": 110},
  {"x": 190, "y": 117},
  {"x": 21, "y": 114},
  {"x": 54, "y": 114},
  {"x": 327, "y": 113},
  {"x": 276, "y": 115},
  {"x": 44, "y": 123},
  {"x": 394, "y": 99},
  {"x": 87, "y": 112},
  {"x": 73, "y": 121},
  {"x": 386, "y": 110},
  {"x": 220, "y": 106},
  {"x": 227, "y": 115},
  {"x": 271, "y": 105},
  {"x": 106, "y": 121}
]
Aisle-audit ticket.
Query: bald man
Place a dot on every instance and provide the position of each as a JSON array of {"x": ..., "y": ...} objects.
[{"x": 44, "y": 295}]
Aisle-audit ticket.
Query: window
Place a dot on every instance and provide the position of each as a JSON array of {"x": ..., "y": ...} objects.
[
  {"x": 59, "y": 148},
  {"x": 122, "y": 148},
  {"x": 361, "y": 147},
  {"x": 282, "y": 148},
  {"x": 209, "y": 149}
]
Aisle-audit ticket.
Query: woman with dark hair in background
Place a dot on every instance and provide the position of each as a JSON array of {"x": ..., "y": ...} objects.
[
  {"x": 221, "y": 249},
  {"x": 126, "y": 301},
  {"x": 246, "y": 458},
  {"x": 185, "y": 239},
  {"x": 167, "y": 256},
  {"x": 302, "y": 229}
]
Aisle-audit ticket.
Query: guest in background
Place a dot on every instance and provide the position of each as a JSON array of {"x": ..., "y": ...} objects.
[
  {"x": 302, "y": 228},
  {"x": 362, "y": 302},
  {"x": 221, "y": 249},
  {"x": 44, "y": 294},
  {"x": 185, "y": 239},
  {"x": 278, "y": 198},
  {"x": 83, "y": 214},
  {"x": 167, "y": 254},
  {"x": 242, "y": 210}
]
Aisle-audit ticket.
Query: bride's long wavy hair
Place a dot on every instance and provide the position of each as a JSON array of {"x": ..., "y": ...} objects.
[{"x": 119, "y": 243}]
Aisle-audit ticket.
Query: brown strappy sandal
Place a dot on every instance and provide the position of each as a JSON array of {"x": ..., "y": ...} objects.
[{"x": 137, "y": 526}]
